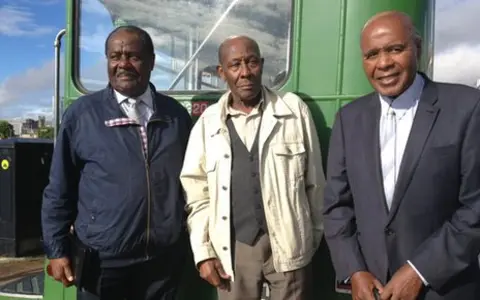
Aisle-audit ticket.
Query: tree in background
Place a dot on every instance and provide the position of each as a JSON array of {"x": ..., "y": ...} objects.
[
  {"x": 6, "y": 130},
  {"x": 45, "y": 132}
]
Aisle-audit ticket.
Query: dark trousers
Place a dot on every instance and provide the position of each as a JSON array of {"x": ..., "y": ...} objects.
[{"x": 156, "y": 279}]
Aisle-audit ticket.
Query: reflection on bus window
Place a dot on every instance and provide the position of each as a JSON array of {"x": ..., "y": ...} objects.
[
  {"x": 428, "y": 39},
  {"x": 186, "y": 34}
]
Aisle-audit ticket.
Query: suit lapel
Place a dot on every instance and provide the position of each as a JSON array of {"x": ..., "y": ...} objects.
[
  {"x": 371, "y": 134},
  {"x": 422, "y": 124}
]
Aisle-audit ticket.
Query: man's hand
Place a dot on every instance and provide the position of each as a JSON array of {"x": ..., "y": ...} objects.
[
  {"x": 212, "y": 271},
  {"x": 60, "y": 270},
  {"x": 404, "y": 285},
  {"x": 363, "y": 284}
]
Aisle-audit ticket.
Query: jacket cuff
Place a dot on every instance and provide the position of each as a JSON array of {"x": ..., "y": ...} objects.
[
  {"x": 418, "y": 273},
  {"x": 55, "y": 250},
  {"x": 203, "y": 252},
  {"x": 421, "y": 263}
]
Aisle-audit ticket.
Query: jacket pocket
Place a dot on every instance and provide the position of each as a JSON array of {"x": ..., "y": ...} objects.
[
  {"x": 290, "y": 159},
  {"x": 210, "y": 165},
  {"x": 212, "y": 173},
  {"x": 443, "y": 150}
]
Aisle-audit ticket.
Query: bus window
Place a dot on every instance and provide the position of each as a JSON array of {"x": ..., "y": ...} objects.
[
  {"x": 428, "y": 39},
  {"x": 186, "y": 36}
]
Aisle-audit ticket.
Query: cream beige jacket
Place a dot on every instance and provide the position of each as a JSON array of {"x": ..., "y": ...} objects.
[{"x": 291, "y": 177}]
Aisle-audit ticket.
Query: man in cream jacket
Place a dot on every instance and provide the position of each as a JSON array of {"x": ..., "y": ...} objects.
[{"x": 253, "y": 180}]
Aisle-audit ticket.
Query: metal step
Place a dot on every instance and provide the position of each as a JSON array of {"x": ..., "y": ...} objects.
[{"x": 28, "y": 287}]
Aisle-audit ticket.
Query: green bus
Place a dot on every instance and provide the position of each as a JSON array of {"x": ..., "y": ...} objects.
[{"x": 311, "y": 47}]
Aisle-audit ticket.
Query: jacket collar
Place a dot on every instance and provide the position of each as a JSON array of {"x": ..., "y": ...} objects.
[
  {"x": 115, "y": 115},
  {"x": 147, "y": 97}
]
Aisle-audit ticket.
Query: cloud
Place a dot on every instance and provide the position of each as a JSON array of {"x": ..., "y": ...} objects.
[
  {"x": 94, "y": 76},
  {"x": 460, "y": 64},
  {"x": 457, "y": 42},
  {"x": 94, "y": 40},
  {"x": 41, "y": 107},
  {"x": 455, "y": 25},
  {"x": 29, "y": 93},
  {"x": 20, "y": 21},
  {"x": 34, "y": 2},
  {"x": 34, "y": 110},
  {"x": 33, "y": 80},
  {"x": 94, "y": 7}
]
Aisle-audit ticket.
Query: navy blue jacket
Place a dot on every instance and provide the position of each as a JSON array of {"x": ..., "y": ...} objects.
[{"x": 125, "y": 203}]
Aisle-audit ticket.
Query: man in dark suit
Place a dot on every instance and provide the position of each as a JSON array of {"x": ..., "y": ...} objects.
[{"x": 402, "y": 201}]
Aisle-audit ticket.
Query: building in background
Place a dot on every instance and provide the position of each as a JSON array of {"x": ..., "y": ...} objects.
[
  {"x": 17, "y": 126},
  {"x": 30, "y": 127},
  {"x": 41, "y": 121}
]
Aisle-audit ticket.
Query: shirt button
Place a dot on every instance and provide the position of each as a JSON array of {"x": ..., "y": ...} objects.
[
  {"x": 225, "y": 248},
  {"x": 224, "y": 218},
  {"x": 224, "y": 188},
  {"x": 226, "y": 156}
]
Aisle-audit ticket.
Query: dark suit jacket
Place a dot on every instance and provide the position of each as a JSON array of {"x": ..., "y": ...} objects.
[{"x": 434, "y": 220}]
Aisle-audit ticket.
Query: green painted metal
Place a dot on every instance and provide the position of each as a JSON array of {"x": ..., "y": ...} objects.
[{"x": 326, "y": 72}]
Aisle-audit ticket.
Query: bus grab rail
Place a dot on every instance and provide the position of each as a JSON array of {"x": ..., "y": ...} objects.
[
  {"x": 56, "y": 98},
  {"x": 195, "y": 54}
]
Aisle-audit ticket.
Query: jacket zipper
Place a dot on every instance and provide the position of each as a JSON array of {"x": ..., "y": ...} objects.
[
  {"x": 149, "y": 201},
  {"x": 147, "y": 168}
]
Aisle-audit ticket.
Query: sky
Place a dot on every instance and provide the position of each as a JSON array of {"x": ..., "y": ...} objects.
[{"x": 28, "y": 29}]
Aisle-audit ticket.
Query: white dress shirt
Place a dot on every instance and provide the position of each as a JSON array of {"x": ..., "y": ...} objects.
[
  {"x": 143, "y": 109},
  {"x": 401, "y": 111},
  {"x": 396, "y": 121},
  {"x": 246, "y": 124}
]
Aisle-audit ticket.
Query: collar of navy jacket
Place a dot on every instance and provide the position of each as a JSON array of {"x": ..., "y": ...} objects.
[{"x": 114, "y": 112}]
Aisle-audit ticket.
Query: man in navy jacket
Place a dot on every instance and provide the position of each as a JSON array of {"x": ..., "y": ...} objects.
[{"x": 115, "y": 178}]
